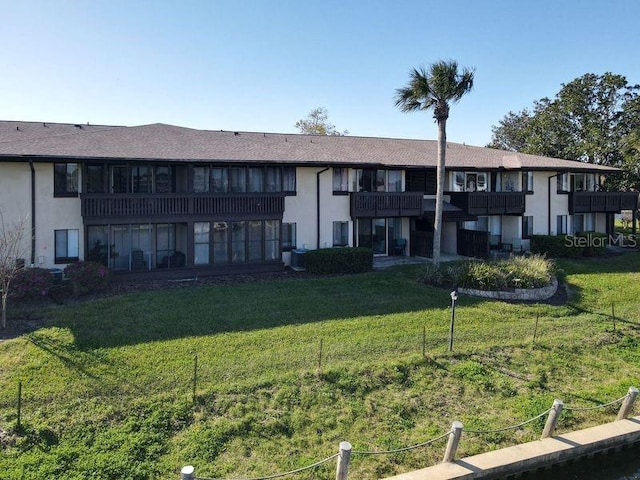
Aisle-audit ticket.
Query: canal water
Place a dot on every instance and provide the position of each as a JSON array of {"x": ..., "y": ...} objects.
[{"x": 624, "y": 465}]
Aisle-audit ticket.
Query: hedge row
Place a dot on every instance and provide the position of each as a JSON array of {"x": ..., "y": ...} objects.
[
  {"x": 585, "y": 244},
  {"x": 340, "y": 260}
]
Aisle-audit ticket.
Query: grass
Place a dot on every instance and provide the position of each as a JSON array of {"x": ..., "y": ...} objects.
[{"x": 107, "y": 385}]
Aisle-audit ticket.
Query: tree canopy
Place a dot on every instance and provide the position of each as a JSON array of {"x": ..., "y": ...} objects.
[
  {"x": 590, "y": 119},
  {"x": 317, "y": 123}
]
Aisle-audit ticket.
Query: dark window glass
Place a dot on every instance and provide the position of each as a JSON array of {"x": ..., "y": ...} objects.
[
  {"x": 220, "y": 243},
  {"x": 238, "y": 239},
  {"x": 289, "y": 179},
  {"x": 255, "y": 235},
  {"x": 237, "y": 180},
  {"x": 340, "y": 234},
  {"x": 65, "y": 180},
  {"x": 219, "y": 180},
  {"x": 288, "y": 236},
  {"x": 256, "y": 179},
  {"x": 95, "y": 179},
  {"x": 340, "y": 180},
  {"x": 66, "y": 246},
  {"x": 120, "y": 179},
  {"x": 164, "y": 180},
  {"x": 141, "y": 179},
  {"x": 272, "y": 240},
  {"x": 273, "y": 179}
]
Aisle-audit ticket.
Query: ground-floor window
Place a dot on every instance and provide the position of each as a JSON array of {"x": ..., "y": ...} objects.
[
  {"x": 66, "y": 246},
  {"x": 340, "y": 234},
  {"x": 138, "y": 246},
  {"x": 379, "y": 234},
  {"x": 527, "y": 226},
  {"x": 561, "y": 225},
  {"x": 288, "y": 236},
  {"x": 166, "y": 245},
  {"x": 201, "y": 243},
  {"x": 236, "y": 242}
]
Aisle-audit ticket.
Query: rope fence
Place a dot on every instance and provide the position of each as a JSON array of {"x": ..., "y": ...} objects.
[
  {"x": 345, "y": 450},
  {"x": 277, "y": 475}
]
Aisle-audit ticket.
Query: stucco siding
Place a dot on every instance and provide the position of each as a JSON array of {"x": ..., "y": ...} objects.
[{"x": 15, "y": 201}]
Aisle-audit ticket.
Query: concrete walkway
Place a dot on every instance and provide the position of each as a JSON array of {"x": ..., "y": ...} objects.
[{"x": 382, "y": 262}]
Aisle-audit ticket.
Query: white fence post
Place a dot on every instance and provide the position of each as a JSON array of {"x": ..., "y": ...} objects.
[
  {"x": 452, "y": 444},
  {"x": 344, "y": 457},
  {"x": 187, "y": 473},
  {"x": 627, "y": 404},
  {"x": 552, "y": 419}
]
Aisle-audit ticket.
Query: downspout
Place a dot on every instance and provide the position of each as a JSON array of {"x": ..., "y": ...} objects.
[
  {"x": 33, "y": 213},
  {"x": 318, "y": 205}
]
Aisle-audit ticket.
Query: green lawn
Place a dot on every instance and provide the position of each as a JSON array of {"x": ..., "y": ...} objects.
[{"x": 107, "y": 387}]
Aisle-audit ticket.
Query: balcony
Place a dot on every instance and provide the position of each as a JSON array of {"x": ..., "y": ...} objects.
[
  {"x": 489, "y": 203},
  {"x": 174, "y": 206},
  {"x": 603, "y": 202},
  {"x": 386, "y": 204}
]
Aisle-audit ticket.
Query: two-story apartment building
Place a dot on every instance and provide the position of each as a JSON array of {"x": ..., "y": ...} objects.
[{"x": 161, "y": 199}]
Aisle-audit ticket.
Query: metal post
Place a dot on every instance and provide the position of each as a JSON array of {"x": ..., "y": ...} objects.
[
  {"x": 452, "y": 444},
  {"x": 627, "y": 404},
  {"x": 195, "y": 377},
  {"x": 552, "y": 419},
  {"x": 344, "y": 457},
  {"x": 187, "y": 473},
  {"x": 454, "y": 297},
  {"x": 19, "y": 421}
]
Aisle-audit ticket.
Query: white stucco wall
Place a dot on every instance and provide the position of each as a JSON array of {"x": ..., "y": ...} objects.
[
  {"x": 54, "y": 214},
  {"x": 15, "y": 201},
  {"x": 301, "y": 209},
  {"x": 50, "y": 214}
]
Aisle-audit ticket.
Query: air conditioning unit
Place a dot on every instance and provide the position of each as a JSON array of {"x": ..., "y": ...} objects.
[{"x": 299, "y": 259}]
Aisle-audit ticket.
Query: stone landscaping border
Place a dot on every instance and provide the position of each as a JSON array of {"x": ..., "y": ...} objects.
[{"x": 542, "y": 293}]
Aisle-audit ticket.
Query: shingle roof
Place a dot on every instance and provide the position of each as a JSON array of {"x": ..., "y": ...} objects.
[{"x": 171, "y": 143}]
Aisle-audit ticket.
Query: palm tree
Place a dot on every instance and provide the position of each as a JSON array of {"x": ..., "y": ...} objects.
[{"x": 435, "y": 88}]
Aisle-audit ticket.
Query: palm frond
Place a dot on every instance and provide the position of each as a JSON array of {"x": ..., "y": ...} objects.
[{"x": 434, "y": 87}]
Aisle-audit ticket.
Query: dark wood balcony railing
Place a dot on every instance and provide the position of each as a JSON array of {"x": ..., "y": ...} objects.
[
  {"x": 604, "y": 202},
  {"x": 386, "y": 204},
  {"x": 489, "y": 203},
  {"x": 176, "y": 205}
]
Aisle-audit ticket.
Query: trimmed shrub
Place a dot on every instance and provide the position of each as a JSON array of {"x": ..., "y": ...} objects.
[
  {"x": 585, "y": 244},
  {"x": 32, "y": 283},
  {"x": 87, "y": 277},
  {"x": 340, "y": 260},
  {"x": 596, "y": 243},
  {"x": 516, "y": 272}
]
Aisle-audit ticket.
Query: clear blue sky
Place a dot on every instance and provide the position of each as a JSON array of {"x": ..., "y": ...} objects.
[{"x": 263, "y": 65}]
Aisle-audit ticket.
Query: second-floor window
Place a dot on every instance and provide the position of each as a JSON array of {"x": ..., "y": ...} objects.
[
  {"x": 243, "y": 179},
  {"x": 340, "y": 180},
  {"x": 470, "y": 181},
  {"x": 372, "y": 180},
  {"x": 527, "y": 182},
  {"x": 562, "y": 183},
  {"x": 65, "y": 180}
]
